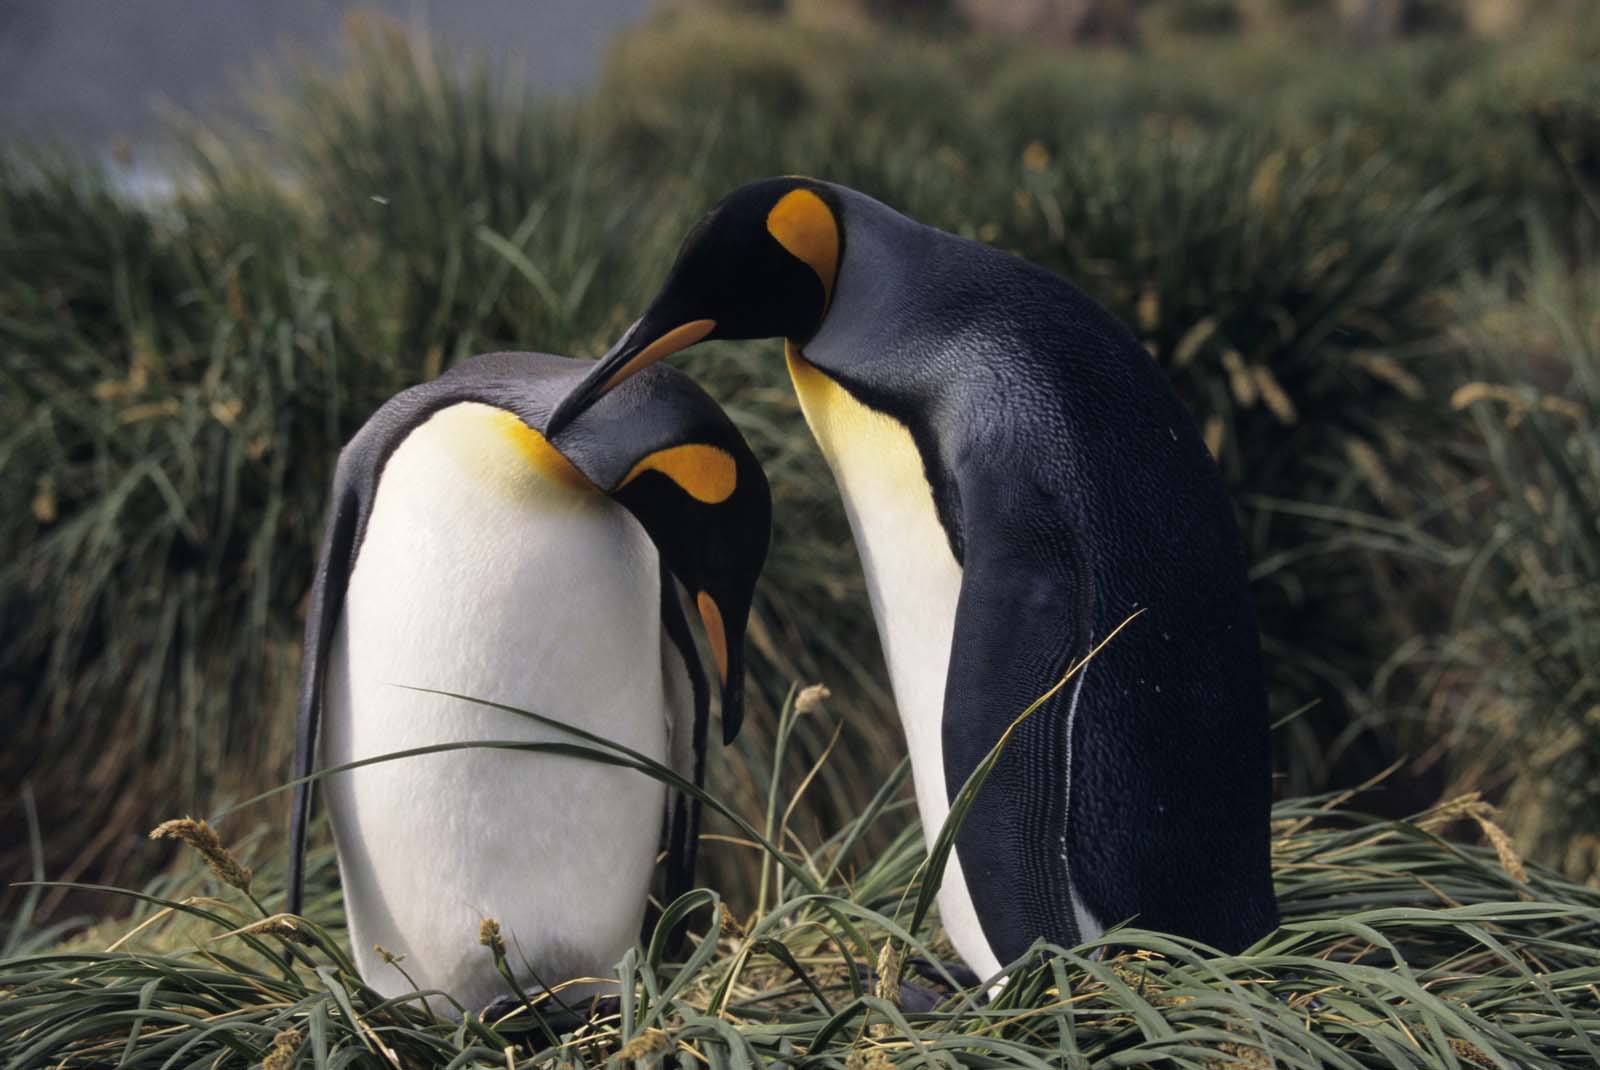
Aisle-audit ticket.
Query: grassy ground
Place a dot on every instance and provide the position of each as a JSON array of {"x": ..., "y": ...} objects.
[
  {"x": 1370, "y": 271},
  {"x": 1397, "y": 949}
]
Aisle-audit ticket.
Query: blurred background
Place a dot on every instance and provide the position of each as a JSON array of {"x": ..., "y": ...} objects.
[{"x": 1362, "y": 236}]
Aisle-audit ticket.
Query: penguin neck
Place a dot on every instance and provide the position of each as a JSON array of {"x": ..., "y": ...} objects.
[
  {"x": 914, "y": 583},
  {"x": 913, "y": 578}
]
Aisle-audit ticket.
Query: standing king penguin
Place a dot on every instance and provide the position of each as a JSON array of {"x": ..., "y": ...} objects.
[
  {"x": 468, "y": 552},
  {"x": 1020, "y": 478}
]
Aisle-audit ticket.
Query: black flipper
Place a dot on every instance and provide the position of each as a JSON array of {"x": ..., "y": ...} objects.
[
  {"x": 522, "y": 379},
  {"x": 1139, "y": 791},
  {"x": 1020, "y": 624}
]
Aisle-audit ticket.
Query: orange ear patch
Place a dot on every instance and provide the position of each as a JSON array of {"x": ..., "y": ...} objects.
[
  {"x": 706, "y": 473},
  {"x": 804, "y": 224}
]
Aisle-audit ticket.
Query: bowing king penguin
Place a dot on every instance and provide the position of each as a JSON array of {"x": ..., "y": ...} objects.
[
  {"x": 1020, "y": 479},
  {"x": 468, "y": 552}
]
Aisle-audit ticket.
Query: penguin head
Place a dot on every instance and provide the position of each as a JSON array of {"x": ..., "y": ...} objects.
[
  {"x": 761, "y": 264},
  {"x": 707, "y": 508},
  {"x": 665, "y": 451}
]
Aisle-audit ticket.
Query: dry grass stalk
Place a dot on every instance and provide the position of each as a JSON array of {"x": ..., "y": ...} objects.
[
  {"x": 1273, "y": 395},
  {"x": 1471, "y": 1053},
  {"x": 1213, "y": 435},
  {"x": 1191, "y": 342},
  {"x": 888, "y": 986},
  {"x": 730, "y": 924},
  {"x": 1240, "y": 382},
  {"x": 284, "y": 926},
  {"x": 1471, "y": 805},
  {"x": 646, "y": 1047},
  {"x": 1386, "y": 369},
  {"x": 868, "y": 1057},
  {"x": 203, "y": 838},
  {"x": 1243, "y": 1057},
  {"x": 811, "y": 697}
]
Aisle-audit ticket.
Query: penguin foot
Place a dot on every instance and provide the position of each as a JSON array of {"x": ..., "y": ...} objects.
[
  {"x": 922, "y": 998},
  {"x": 511, "y": 1015},
  {"x": 936, "y": 971}
]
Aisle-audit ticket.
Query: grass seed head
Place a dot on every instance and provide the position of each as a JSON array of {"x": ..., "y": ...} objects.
[
  {"x": 1243, "y": 1057},
  {"x": 1471, "y": 805},
  {"x": 647, "y": 1046},
  {"x": 284, "y": 1045},
  {"x": 489, "y": 936},
  {"x": 283, "y": 926},
  {"x": 868, "y": 1057},
  {"x": 730, "y": 923},
  {"x": 203, "y": 838},
  {"x": 888, "y": 987},
  {"x": 811, "y": 697}
]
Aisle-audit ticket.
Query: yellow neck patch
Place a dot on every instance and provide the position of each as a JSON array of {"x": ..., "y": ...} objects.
[
  {"x": 480, "y": 434},
  {"x": 539, "y": 452},
  {"x": 829, "y": 409},
  {"x": 804, "y": 224},
  {"x": 855, "y": 437},
  {"x": 706, "y": 473}
]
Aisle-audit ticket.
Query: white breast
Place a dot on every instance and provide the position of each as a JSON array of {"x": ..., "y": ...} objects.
[
  {"x": 479, "y": 574},
  {"x": 914, "y": 583}
]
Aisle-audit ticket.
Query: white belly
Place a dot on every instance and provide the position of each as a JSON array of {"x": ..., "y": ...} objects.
[
  {"x": 914, "y": 583},
  {"x": 480, "y": 575}
]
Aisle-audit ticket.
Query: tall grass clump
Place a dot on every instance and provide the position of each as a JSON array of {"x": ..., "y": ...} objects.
[
  {"x": 140, "y": 473},
  {"x": 178, "y": 377},
  {"x": 179, "y": 380},
  {"x": 1514, "y": 686}
]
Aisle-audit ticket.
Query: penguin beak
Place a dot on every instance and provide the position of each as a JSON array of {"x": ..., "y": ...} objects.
[
  {"x": 727, "y": 650},
  {"x": 640, "y": 347}
]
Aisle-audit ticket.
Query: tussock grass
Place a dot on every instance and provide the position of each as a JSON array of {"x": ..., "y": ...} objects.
[
  {"x": 1299, "y": 235},
  {"x": 1513, "y": 689},
  {"x": 1398, "y": 948}
]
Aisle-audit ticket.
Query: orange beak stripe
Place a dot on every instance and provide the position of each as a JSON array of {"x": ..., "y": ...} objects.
[{"x": 680, "y": 337}]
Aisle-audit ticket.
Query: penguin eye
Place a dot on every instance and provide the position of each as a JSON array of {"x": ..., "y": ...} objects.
[{"x": 708, "y": 474}]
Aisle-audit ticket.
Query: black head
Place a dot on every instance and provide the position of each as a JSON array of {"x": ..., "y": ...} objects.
[
  {"x": 761, "y": 264},
  {"x": 665, "y": 451}
]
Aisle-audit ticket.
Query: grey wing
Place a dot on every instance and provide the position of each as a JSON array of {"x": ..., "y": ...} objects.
[
  {"x": 335, "y": 560},
  {"x": 355, "y": 485},
  {"x": 515, "y": 381},
  {"x": 1020, "y": 624}
]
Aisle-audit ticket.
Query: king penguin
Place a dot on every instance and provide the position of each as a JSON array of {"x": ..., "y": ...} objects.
[
  {"x": 1020, "y": 478},
  {"x": 468, "y": 552}
]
